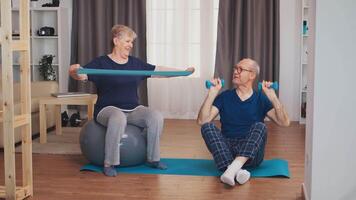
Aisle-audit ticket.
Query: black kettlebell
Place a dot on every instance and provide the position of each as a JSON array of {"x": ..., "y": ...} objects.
[
  {"x": 65, "y": 118},
  {"x": 75, "y": 120}
]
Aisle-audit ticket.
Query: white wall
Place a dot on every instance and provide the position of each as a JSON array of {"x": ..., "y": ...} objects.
[
  {"x": 68, "y": 4},
  {"x": 331, "y": 133},
  {"x": 289, "y": 78}
]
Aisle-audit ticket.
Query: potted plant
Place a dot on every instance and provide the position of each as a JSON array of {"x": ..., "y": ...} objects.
[{"x": 46, "y": 69}]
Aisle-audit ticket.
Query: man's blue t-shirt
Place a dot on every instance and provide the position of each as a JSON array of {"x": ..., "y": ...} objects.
[
  {"x": 113, "y": 90},
  {"x": 238, "y": 116}
]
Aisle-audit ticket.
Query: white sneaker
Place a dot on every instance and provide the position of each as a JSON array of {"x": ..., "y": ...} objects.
[{"x": 242, "y": 176}]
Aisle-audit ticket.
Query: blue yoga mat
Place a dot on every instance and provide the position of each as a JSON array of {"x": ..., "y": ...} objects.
[
  {"x": 200, "y": 167},
  {"x": 132, "y": 72}
]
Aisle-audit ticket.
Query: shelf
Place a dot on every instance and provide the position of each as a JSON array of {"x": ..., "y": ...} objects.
[
  {"x": 304, "y": 31},
  {"x": 37, "y": 65},
  {"x": 38, "y": 37},
  {"x": 45, "y": 9},
  {"x": 45, "y": 37},
  {"x": 38, "y": 9}
]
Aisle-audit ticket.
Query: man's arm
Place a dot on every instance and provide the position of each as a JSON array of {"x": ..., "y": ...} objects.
[
  {"x": 162, "y": 68},
  {"x": 207, "y": 111},
  {"x": 278, "y": 114}
]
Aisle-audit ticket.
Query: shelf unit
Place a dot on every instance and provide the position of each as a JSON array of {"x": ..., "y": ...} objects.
[
  {"x": 21, "y": 47},
  {"x": 57, "y": 45},
  {"x": 304, "y": 60}
]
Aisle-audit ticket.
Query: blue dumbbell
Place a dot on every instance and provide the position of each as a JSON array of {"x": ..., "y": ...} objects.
[
  {"x": 274, "y": 86},
  {"x": 208, "y": 84}
]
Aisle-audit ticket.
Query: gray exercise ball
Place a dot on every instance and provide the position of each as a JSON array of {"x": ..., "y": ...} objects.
[{"x": 132, "y": 145}]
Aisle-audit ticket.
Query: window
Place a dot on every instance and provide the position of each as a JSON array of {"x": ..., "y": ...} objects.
[{"x": 182, "y": 33}]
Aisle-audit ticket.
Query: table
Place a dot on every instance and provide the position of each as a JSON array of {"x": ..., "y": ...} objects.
[{"x": 88, "y": 100}]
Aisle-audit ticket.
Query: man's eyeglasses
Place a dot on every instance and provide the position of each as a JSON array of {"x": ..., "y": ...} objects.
[{"x": 240, "y": 69}]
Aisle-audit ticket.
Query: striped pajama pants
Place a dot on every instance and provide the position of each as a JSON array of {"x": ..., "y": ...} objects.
[{"x": 225, "y": 150}]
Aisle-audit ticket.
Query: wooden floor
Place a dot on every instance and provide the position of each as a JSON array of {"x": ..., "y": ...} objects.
[{"x": 58, "y": 176}]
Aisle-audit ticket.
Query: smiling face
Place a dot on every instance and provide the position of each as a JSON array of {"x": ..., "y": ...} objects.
[
  {"x": 123, "y": 44},
  {"x": 244, "y": 73},
  {"x": 122, "y": 39}
]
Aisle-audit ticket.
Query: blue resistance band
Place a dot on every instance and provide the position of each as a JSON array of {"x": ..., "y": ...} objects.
[{"x": 132, "y": 72}]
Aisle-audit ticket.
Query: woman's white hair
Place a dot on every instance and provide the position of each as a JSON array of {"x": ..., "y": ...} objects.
[{"x": 119, "y": 30}]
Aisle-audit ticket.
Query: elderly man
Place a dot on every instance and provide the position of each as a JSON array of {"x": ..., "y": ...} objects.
[{"x": 241, "y": 141}]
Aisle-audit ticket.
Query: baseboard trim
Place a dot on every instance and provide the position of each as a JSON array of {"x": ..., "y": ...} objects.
[{"x": 304, "y": 192}]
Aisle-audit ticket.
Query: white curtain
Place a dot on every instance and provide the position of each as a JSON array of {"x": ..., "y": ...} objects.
[{"x": 181, "y": 33}]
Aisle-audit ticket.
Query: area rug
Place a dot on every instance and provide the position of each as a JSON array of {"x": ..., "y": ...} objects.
[{"x": 67, "y": 143}]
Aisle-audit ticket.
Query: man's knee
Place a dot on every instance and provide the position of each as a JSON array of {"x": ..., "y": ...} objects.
[
  {"x": 208, "y": 130},
  {"x": 260, "y": 127},
  {"x": 208, "y": 124}
]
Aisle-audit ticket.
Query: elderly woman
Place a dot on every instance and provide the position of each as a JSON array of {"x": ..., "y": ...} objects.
[{"x": 117, "y": 103}]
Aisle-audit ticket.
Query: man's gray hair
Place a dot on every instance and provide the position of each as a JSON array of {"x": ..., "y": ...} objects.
[{"x": 256, "y": 67}]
